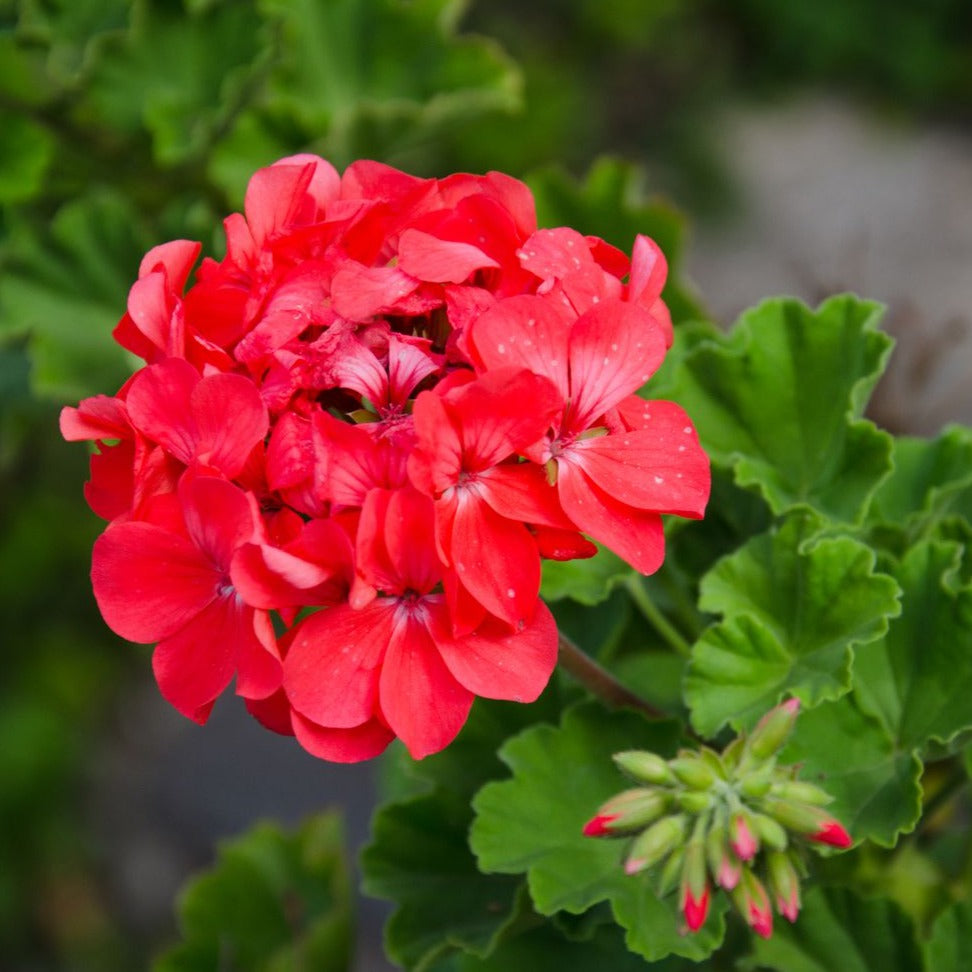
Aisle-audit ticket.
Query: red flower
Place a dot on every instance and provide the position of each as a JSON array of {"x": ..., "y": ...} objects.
[
  {"x": 387, "y": 663},
  {"x": 170, "y": 583}
]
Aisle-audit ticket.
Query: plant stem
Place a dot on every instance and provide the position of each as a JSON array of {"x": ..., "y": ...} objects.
[
  {"x": 600, "y": 682},
  {"x": 655, "y": 618}
]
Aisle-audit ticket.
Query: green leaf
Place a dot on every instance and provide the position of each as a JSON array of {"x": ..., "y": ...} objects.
[
  {"x": 779, "y": 401},
  {"x": 587, "y": 581},
  {"x": 544, "y": 949},
  {"x": 932, "y": 479},
  {"x": 67, "y": 288},
  {"x": 25, "y": 152},
  {"x": 839, "y": 930},
  {"x": 611, "y": 203},
  {"x": 274, "y": 902},
  {"x": 948, "y": 948},
  {"x": 794, "y": 606},
  {"x": 917, "y": 680},
  {"x": 876, "y": 786},
  {"x": 532, "y": 824},
  {"x": 419, "y": 856},
  {"x": 339, "y": 83},
  {"x": 167, "y": 75}
]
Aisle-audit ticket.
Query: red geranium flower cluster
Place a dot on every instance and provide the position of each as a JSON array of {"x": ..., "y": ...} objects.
[{"x": 356, "y": 436}]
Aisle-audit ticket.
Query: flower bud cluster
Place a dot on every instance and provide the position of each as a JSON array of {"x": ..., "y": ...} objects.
[{"x": 733, "y": 820}]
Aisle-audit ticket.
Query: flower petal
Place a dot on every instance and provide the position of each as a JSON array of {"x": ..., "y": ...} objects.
[
  {"x": 331, "y": 668},
  {"x": 420, "y": 698},
  {"x": 496, "y": 664},
  {"x": 342, "y": 745},
  {"x": 149, "y": 582}
]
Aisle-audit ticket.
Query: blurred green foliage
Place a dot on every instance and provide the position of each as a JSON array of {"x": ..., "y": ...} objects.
[{"x": 128, "y": 122}]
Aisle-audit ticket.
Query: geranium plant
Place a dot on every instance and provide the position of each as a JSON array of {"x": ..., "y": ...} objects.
[{"x": 400, "y": 451}]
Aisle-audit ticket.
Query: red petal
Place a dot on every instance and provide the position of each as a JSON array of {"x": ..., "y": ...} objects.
[
  {"x": 342, "y": 745},
  {"x": 331, "y": 668},
  {"x": 258, "y": 669},
  {"x": 495, "y": 559},
  {"x": 439, "y": 261},
  {"x": 614, "y": 349},
  {"x": 149, "y": 582},
  {"x": 423, "y": 703},
  {"x": 528, "y": 331},
  {"x": 359, "y": 292},
  {"x": 230, "y": 420},
  {"x": 645, "y": 469},
  {"x": 272, "y": 713},
  {"x": 274, "y": 196},
  {"x": 501, "y": 413},
  {"x": 219, "y": 517},
  {"x": 633, "y": 534},
  {"x": 159, "y": 406},
  {"x": 194, "y": 665},
  {"x": 495, "y": 664},
  {"x": 520, "y": 491},
  {"x": 100, "y": 417}
]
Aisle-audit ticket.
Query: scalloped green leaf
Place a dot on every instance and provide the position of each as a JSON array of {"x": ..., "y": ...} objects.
[
  {"x": 917, "y": 679},
  {"x": 947, "y": 950},
  {"x": 779, "y": 401},
  {"x": 532, "y": 824},
  {"x": 794, "y": 606},
  {"x": 274, "y": 901},
  {"x": 611, "y": 203},
  {"x": 876, "y": 786},
  {"x": 837, "y": 930},
  {"x": 932, "y": 479},
  {"x": 419, "y": 855},
  {"x": 66, "y": 289}
]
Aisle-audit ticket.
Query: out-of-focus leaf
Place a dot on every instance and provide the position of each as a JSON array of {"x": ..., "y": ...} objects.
[
  {"x": 611, "y": 203},
  {"x": 837, "y": 929},
  {"x": 532, "y": 823},
  {"x": 25, "y": 151},
  {"x": 793, "y": 607},
  {"x": 365, "y": 79},
  {"x": 181, "y": 76},
  {"x": 274, "y": 902},
  {"x": 948, "y": 948},
  {"x": 779, "y": 401},
  {"x": 66, "y": 290}
]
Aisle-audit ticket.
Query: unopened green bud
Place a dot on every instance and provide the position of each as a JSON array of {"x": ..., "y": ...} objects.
[
  {"x": 693, "y": 772},
  {"x": 773, "y": 729},
  {"x": 657, "y": 842},
  {"x": 714, "y": 761},
  {"x": 635, "y": 809},
  {"x": 784, "y": 884},
  {"x": 756, "y": 785},
  {"x": 801, "y": 792},
  {"x": 799, "y": 817},
  {"x": 733, "y": 753},
  {"x": 694, "y": 801},
  {"x": 671, "y": 873},
  {"x": 769, "y": 832},
  {"x": 645, "y": 767}
]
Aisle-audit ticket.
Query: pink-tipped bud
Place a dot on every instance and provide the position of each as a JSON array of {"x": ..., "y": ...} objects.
[
  {"x": 695, "y": 909},
  {"x": 597, "y": 825},
  {"x": 773, "y": 730},
  {"x": 834, "y": 834},
  {"x": 749, "y": 896},
  {"x": 784, "y": 884},
  {"x": 694, "y": 892},
  {"x": 741, "y": 838},
  {"x": 724, "y": 866}
]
